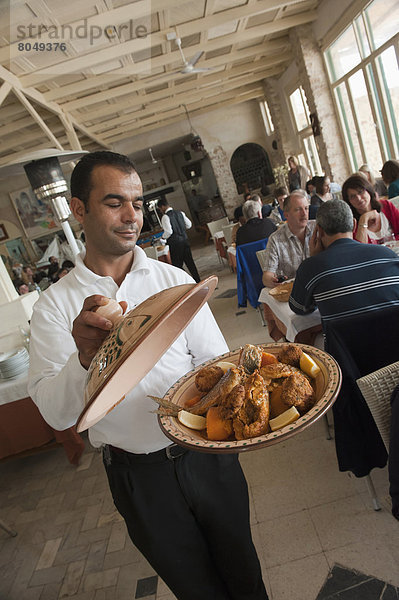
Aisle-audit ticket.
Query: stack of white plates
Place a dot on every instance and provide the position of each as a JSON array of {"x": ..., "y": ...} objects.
[{"x": 14, "y": 363}]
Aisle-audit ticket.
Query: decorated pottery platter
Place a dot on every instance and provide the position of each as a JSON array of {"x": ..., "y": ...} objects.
[
  {"x": 135, "y": 344},
  {"x": 326, "y": 385}
]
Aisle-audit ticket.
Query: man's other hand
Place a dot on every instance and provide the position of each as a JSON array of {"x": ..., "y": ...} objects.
[
  {"x": 90, "y": 329},
  {"x": 315, "y": 243}
]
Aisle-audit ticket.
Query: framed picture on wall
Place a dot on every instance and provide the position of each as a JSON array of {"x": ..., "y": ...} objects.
[
  {"x": 35, "y": 216},
  {"x": 3, "y": 233}
]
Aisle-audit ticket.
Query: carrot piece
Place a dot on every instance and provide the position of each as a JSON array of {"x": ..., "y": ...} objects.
[
  {"x": 191, "y": 401},
  {"x": 268, "y": 359},
  {"x": 277, "y": 406},
  {"x": 217, "y": 429}
]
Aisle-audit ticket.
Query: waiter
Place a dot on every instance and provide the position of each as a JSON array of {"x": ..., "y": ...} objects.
[
  {"x": 186, "y": 511},
  {"x": 174, "y": 224}
]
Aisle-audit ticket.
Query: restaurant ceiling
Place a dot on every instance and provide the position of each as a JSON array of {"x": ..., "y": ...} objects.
[{"x": 86, "y": 75}]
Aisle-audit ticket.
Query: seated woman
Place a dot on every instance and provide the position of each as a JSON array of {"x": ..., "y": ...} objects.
[
  {"x": 390, "y": 175},
  {"x": 322, "y": 187},
  {"x": 376, "y": 220},
  {"x": 277, "y": 214},
  {"x": 378, "y": 184}
]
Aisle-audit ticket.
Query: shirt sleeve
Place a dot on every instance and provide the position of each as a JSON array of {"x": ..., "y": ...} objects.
[
  {"x": 166, "y": 226},
  {"x": 56, "y": 377},
  {"x": 187, "y": 221},
  {"x": 271, "y": 257},
  {"x": 301, "y": 300}
]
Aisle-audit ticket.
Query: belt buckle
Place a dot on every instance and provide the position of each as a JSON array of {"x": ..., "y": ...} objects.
[{"x": 169, "y": 453}]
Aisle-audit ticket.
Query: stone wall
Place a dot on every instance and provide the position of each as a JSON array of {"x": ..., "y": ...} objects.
[
  {"x": 226, "y": 184},
  {"x": 314, "y": 81},
  {"x": 280, "y": 134}
]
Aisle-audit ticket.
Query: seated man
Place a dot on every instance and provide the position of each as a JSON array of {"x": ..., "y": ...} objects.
[
  {"x": 289, "y": 246},
  {"x": 343, "y": 276},
  {"x": 255, "y": 227}
]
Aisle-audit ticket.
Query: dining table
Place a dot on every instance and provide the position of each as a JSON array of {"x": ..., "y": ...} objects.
[
  {"x": 23, "y": 429},
  {"x": 283, "y": 322}
]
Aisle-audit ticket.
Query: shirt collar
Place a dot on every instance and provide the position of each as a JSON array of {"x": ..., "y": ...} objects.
[{"x": 88, "y": 277}]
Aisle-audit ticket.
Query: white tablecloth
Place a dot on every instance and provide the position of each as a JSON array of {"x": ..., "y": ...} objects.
[
  {"x": 13, "y": 389},
  {"x": 162, "y": 251},
  {"x": 293, "y": 322}
]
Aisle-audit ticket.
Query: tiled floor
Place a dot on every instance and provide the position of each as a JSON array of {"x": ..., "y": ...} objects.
[{"x": 306, "y": 515}]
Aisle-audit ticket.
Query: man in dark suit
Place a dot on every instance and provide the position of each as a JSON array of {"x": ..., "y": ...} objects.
[
  {"x": 255, "y": 228},
  {"x": 174, "y": 224}
]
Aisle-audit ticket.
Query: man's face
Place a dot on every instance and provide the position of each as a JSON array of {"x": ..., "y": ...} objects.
[
  {"x": 298, "y": 213},
  {"x": 114, "y": 219}
]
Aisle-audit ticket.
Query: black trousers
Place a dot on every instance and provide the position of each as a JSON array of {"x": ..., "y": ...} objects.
[
  {"x": 180, "y": 253},
  {"x": 189, "y": 517}
]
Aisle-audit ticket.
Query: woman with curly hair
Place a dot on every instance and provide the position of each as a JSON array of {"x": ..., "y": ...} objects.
[{"x": 376, "y": 220}]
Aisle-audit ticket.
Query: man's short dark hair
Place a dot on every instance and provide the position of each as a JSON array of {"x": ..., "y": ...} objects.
[
  {"x": 238, "y": 212},
  {"x": 81, "y": 184},
  {"x": 335, "y": 216},
  {"x": 162, "y": 202},
  {"x": 280, "y": 191}
]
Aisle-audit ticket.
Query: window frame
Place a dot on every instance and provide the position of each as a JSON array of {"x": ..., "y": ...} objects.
[{"x": 379, "y": 101}]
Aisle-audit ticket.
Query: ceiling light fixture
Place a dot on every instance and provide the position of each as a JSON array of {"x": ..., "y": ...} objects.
[
  {"x": 196, "y": 142},
  {"x": 153, "y": 159}
]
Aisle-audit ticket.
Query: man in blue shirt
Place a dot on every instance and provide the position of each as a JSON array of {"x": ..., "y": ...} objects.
[{"x": 343, "y": 277}]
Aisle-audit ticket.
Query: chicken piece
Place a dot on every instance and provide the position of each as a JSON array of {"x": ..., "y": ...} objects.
[
  {"x": 207, "y": 378},
  {"x": 250, "y": 358},
  {"x": 290, "y": 355},
  {"x": 297, "y": 391},
  {"x": 233, "y": 402},
  {"x": 276, "y": 371},
  {"x": 252, "y": 419},
  {"x": 219, "y": 392}
]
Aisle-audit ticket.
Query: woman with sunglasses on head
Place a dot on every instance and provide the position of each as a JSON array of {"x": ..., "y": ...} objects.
[{"x": 376, "y": 220}]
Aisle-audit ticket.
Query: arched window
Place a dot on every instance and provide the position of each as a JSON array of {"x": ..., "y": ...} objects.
[{"x": 251, "y": 168}]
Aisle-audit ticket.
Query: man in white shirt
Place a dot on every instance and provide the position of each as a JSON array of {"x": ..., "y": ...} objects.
[
  {"x": 174, "y": 224},
  {"x": 289, "y": 245},
  {"x": 187, "y": 512}
]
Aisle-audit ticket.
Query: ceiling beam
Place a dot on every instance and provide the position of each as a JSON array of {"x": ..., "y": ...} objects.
[
  {"x": 192, "y": 107},
  {"x": 219, "y": 77},
  {"x": 4, "y": 90},
  {"x": 199, "y": 95},
  {"x": 33, "y": 112},
  {"x": 128, "y": 89},
  {"x": 256, "y": 93},
  {"x": 98, "y": 81},
  {"x": 73, "y": 65},
  {"x": 115, "y": 17}
]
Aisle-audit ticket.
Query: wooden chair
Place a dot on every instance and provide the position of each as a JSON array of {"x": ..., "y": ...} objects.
[
  {"x": 227, "y": 232},
  {"x": 215, "y": 226}
]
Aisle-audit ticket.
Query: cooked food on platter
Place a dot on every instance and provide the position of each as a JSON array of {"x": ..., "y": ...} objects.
[{"x": 250, "y": 398}]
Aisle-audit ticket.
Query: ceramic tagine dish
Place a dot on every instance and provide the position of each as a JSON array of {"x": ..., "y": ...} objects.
[{"x": 149, "y": 329}]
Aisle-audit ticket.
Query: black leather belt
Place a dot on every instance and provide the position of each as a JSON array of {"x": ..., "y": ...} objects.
[{"x": 169, "y": 453}]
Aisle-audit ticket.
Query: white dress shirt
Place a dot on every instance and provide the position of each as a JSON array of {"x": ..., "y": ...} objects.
[
  {"x": 57, "y": 379},
  {"x": 167, "y": 227}
]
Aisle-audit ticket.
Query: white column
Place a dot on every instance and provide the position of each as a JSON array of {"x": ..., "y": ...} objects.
[{"x": 7, "y": 289}]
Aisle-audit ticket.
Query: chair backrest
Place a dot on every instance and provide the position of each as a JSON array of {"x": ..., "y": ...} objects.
[
  {"x": 361, "y": 344},
  {"x": 377, "y": 390},
  {"x": 261, "y": 256},
  {"x": 227, "y": 232},
  {"x": 215, "y": 226},
  {"x": 151, "y": 252},
  {"x": 249, "y": 272}
]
